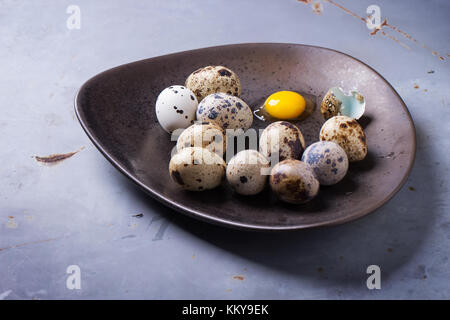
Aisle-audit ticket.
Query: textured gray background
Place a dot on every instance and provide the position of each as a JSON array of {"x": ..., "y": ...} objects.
[{"x": 80, "y": 211}]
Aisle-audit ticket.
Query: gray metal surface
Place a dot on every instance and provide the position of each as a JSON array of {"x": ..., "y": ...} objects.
[{"x": 81, "y": 210}]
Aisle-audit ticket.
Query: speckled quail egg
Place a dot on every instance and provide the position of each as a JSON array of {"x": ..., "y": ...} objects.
[
  {"x": 212, "y": 79},
  {"x": 228, "y": 111},
  {"x": 197, "y": 169},
  {"x": 282, "y": 138},
  {"x": 348, "y": 134},
  {"x": 175, "y": 108},
  {"x": 293, "y": 181},
  {"x": 328, "y": 161},
  {"x": 204, "y": 135},
  {"x": 247, "y": 172},
  {"x": 336, "y": 103}
]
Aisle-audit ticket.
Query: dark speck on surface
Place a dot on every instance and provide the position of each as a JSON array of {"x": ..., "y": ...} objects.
[
  {"x": 213, "y": 114},
  {"x": 177, "y": 177},
  {"x": 243, "y": 179},
  {"x": 224, "y": 73},
  {"x": 56, "y": 158}
]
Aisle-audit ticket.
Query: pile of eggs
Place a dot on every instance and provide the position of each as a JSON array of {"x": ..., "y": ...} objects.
[{"x": 209, "y": 103}]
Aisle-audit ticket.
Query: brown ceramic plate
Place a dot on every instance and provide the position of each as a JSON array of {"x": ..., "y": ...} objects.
[{"x": 116, "y": 109}]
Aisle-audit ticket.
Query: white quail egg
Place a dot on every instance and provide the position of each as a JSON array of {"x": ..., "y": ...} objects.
[{"x": 175, "y": 108}]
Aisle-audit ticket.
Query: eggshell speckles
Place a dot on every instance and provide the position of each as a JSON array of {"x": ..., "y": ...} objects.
[
  {"x": 293, "y": 181},
  {"x": 204, "y": 135},
  {"x": 175, "y": 108},
  {"x": 284, "y": 138},
  {"x": 348, "y": 134},
  {"x": 244, "y": 172},
  {"x": 228, "y": 111},
  {"x": 328, "y": 161},
  {"x": 212, "y": 79},
  {"x": 197, "y": 169}
]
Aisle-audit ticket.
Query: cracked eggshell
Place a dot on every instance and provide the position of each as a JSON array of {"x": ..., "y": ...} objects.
[
  {"x": 293, "y": 181},
  {"x": 175, "y": 108},
  {"x": 284, "y": 138},
  {"x": 228, "y": 111},
  {"x": 212, "y": 79},
  {"x": 348, "y": 134},
  {"x": 328, "y": 161},
  {"x": 336, "y": 103},
  {"x": 206, "y": 135},
  {"x": 244, "y": 172},
  {"x": 197, "y": 169}
]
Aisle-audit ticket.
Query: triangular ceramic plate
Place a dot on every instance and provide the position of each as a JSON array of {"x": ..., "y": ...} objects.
[{"x": 117, "y": 110}]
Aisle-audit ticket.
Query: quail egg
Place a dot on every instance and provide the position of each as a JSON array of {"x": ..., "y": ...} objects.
[
  {"x": 175, "y": 108},
  {"x": 197, "y": 169},
  {"x": 293, "y": 181},
  {"x": 328, "y": 161},
  {"x": 212, "y": 79},
  {"x": 247, "y": 172},
  {"x": 204, "y": 135},
  {"x": 348, "y": 134},
  {"x": 228, "y": 111},
  {"x": 282, "y": 138},
  {"x": 336, "y": 103}
]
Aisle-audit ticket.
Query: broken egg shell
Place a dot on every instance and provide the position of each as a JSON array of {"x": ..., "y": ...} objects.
[{"x": 336, "y": 103}]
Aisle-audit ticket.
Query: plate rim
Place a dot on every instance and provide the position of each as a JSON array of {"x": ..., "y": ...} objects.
[{"x": 225, "y": 222}]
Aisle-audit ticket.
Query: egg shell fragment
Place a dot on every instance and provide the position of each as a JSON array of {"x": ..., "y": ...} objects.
[
  {"x": 175, "y": 108},
  {"x": 284, "y": 138},
  {"x": 328, "y": 161},
  {"x": 212, "y": 79},
  {"x": 228, "y": 111},
  {"x": 197, "y": 169},
  {"x": 203, "y": 135},
  {"x": 336, "y": 103},
  {"x": 244, "y": 172},
  {"x": 293, "y": 181},
  {"x": 348, "y": 134}
]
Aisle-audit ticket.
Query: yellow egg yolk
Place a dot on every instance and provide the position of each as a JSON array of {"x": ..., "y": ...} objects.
[{"x": 285, "y": 105}]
